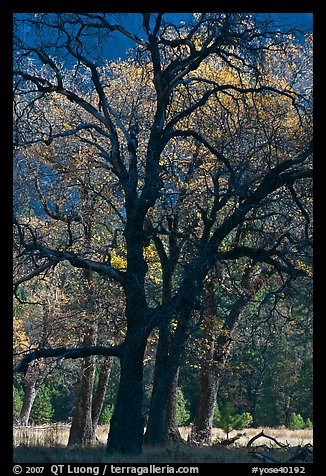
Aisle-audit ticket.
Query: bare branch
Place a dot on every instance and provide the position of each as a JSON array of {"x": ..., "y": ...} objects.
[
  {"x": 35, "y": 272},
  {"x": 264, "y": 256},
  {"x": 77, "y": 261}
]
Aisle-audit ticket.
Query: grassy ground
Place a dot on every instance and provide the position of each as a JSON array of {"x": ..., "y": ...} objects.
[{"x": 48, "y": 445}]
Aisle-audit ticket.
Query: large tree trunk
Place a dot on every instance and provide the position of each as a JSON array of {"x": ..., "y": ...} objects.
[
  {"x": 169, "y": 354},
  {"x": 88, "y": 407},
  {"x": 81, "y": 431},
  {"x": 202, "y": 428},
  {"x": 156, "y": 431},
  {"x": 30, "y": 392},
  {"x": 201, "y": 432},
  {"x": 127, "y": 422}
]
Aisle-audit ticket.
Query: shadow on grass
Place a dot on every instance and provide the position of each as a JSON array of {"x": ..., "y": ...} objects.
[{"x": 171, "y": 454}]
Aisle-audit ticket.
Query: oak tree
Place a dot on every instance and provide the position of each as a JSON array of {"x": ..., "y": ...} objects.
[{"x": 147, "y": 125}]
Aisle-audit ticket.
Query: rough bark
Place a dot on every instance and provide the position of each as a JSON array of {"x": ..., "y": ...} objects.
[
  {"x": 127, "y": 422},
  {"x": 203, "y": 423},
  {"x": 81, "y": 431},
  {"x": 210, "y": 376},
  {"x": 89, "y": 406},
  {"x": 172, "y": 430},
  {"x": 169, "y": 353},
  {"x": 30, "y": 392},
  {"x": 208, "y": 383},
  {"x": 155, "y": 431}
]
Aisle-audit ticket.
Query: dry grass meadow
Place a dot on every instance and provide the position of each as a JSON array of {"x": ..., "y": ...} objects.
[{"x": 48, "y": 445}]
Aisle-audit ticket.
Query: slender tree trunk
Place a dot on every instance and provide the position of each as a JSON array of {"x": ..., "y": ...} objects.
[
  {"x": 217, "y": 353},
  {"x": 99, "y": 396},
  {"x": 30, "y": 392},
  {"x": 172, "y": 430},
  {"x": 211, "y": 372}
]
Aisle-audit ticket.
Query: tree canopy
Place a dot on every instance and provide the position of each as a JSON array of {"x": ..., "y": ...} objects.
[{"x": 189, "y": 159}]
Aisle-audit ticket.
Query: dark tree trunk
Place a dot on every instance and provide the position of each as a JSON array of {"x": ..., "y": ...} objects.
[
  {"x": 30, "y": 392},
  {"x": 169, "y": 353},
  {"x": 156, "y": 431},
  {"x": 81, "y": 431},
  {"x": 202, "y": 427},
  {"x": 203, "y": 423},
  {"x": 127, "y": 422}
]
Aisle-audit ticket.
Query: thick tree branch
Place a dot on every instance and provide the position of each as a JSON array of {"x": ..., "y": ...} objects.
[{"x": 67, "y": 353}]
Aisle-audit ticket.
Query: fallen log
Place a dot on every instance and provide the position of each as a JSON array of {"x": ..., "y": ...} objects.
[{"x": 263, "y": 435}]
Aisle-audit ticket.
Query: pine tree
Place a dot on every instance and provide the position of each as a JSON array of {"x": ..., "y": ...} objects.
[
  {"x": 296, "y": 422},
  {"x": 227, "y": 418},
  {"x": 182, "y": 410},
  {"x": 42, "y": 410}
]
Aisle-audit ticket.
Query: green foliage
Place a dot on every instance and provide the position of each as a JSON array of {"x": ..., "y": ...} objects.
[
  {"x": 309, "y": 424},
  {"x": 217, "y": 415},
  {"x": 275, "y": 369},
  {"x": 17, "y": 402},
  {"x": 304, "y": 400},
  {"x": 42, "y": 410},
  {"x": 228, "y": 420},
  {"x": 62, "y": 398},
  {"x": 182, "y": 413},
  {"x": 106, "y": 415},
  {"x": 243, "y": 420},
  {"x": 296, "y": 422},
  {"x": 266, "y": 409}
]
